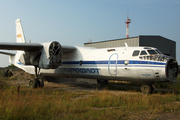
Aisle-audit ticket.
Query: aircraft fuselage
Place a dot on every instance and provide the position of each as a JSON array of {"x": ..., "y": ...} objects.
[{"x": 115, "y": 64}]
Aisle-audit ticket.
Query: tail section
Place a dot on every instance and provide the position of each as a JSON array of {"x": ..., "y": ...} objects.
[
  {"x": 19, "y": 32},
  {"x": 19, "y": 39}
]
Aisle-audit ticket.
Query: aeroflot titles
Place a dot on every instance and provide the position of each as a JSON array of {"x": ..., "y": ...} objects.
[{"x": 82, "y": 70}]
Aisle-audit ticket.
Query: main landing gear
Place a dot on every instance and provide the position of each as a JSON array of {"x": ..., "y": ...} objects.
[
  {"x": 101, "y": 82},
  {"x": 37, "y": 82},
  {"x": 147, "y": 88}
]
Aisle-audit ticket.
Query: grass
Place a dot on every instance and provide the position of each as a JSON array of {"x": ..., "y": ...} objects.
[
  {"x": 50, "y": 104},
  {"x": 169, "y": 85},
  {"x": 165, "y": 85},
  {"x": 59, "y": 104}
]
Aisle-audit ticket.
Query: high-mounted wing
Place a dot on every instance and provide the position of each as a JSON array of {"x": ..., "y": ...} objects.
[
  {"x": 20, "y": 46},
  {"x": 45, "y": 55},
  {"x": 30, "y": 47}
]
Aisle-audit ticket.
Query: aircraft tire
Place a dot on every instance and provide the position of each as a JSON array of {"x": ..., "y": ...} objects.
[
  {"x": 147, "y": 89},
  {"x": 41, "y": 83},
  {"x": 99, "y": 83},
  {"x": 102, "y": 82},
  {"x": 106, "y": 82},
  {"x": 33, "y": 83}
]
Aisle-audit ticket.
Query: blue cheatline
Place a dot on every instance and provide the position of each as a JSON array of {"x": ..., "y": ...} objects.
[{"x": 114, "y": 62}]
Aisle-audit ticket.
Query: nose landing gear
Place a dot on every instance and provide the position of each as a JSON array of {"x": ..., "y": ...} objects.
[{"x": 147, "y": 88}]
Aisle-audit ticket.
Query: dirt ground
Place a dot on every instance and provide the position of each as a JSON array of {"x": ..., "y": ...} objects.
[{"x": 21, "y": 78}]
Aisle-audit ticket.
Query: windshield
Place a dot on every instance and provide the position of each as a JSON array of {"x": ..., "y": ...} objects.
[
  {"x": 158, "y": 51},
  {"x": 143, "y": 52},
  {"x": 151, "y": 52}
]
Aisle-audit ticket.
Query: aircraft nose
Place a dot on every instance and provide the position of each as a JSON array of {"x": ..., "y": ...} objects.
[{"x": 172, "y": 69}]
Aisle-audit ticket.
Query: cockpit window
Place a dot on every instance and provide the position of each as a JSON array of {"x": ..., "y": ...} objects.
[
  {"x": 151, "y": 52},
  {"x": 143, "y": 52},
  {"x": 158, "y": 51},
  {"x": 136, "y": 53}
]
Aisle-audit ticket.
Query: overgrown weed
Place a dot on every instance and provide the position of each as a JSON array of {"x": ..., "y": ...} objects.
[
  {"x": 170, "y": 85},
  {"x": 61, "y": 104},
  {"x": 58, "y": 104}
]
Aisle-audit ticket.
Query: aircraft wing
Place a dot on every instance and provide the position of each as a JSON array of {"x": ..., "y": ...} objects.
[
  {"x": 20, "y": 46},
  {"x": 29, "y": 47}
]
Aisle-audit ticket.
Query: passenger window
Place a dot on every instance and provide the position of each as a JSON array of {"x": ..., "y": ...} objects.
[
  {"x": 136, "y": 53},
  {"x": 143, "y": 53}
]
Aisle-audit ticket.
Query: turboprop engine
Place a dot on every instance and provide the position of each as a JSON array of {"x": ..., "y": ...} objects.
[{"x": 49, "y": 57}]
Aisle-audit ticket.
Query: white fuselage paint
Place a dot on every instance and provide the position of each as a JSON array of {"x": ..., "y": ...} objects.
[{"x": 106, "y": 64}]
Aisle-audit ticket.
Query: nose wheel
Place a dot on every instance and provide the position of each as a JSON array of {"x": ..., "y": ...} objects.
[{"x": 147, "y": 88}]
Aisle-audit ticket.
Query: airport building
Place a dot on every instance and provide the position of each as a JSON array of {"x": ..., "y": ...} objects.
[{"x": 166, "y": 46}]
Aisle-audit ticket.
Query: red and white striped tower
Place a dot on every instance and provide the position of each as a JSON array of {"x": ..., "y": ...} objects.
[{"x": 127, "y": 26}]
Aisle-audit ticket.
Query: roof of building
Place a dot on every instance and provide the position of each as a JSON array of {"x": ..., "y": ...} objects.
[{"x": 128, "y": 38}]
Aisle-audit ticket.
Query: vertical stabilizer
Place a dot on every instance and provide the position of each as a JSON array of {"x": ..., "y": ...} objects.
[
  {"x": 19, "y": 32},
  {"x": 19, "y": 39}
]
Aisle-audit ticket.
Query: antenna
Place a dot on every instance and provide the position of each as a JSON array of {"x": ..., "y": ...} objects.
[
  {"x": 127, "y": 26},
  {"x": 126, "y": 44},
  {"x": 89, "y": 41}
]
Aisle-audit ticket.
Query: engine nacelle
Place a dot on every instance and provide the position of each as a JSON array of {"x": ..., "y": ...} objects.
[{"x": 51, "y": 55}]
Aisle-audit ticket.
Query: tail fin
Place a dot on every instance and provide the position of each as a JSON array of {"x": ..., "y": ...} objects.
[
  {"x": 19, "y": 39},
  {"x": 19, "y": 32}
]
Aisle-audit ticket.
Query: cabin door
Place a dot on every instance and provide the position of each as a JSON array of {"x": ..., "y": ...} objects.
[{"x": 112, "y": 64}]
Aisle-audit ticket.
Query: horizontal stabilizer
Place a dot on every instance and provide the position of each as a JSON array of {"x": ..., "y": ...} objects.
[
  {"x": 7, "y": 53},
  {"x": 20, "y": 46}
]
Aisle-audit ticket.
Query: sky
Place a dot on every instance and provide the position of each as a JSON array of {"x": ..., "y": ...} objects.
[{"x": 75, "y": 22}]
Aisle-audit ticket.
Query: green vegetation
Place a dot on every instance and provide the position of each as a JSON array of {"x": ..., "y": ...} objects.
[
  {"x": 11, "y": 66},
  {"x": 169, "y": 85},
  {"x": 52, "y": 104},
  {"x": 165, "y": 85},
  {"x": 108, "y": 103}
]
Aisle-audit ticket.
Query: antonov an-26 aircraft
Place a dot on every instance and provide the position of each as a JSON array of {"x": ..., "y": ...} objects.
[{"x": 138, "y": 64}]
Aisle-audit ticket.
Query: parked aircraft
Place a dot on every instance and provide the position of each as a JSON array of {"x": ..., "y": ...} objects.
[{"x": 135, "y": 64}]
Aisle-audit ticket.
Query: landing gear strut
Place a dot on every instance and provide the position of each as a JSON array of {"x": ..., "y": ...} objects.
[{"x": 37, "y": 82}]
